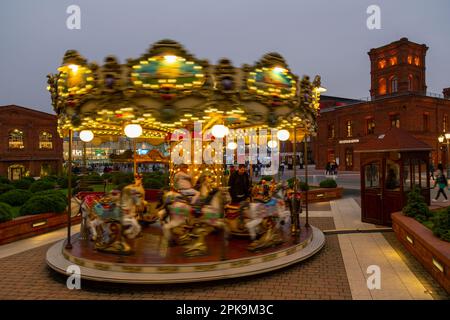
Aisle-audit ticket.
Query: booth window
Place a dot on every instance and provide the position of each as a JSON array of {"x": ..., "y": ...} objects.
[
  {"x": 45, "y": 140},
  {"x": 372, "y": 175},
  {"x": 392, "y": 176},
  {"x": 16, "y": 139}
]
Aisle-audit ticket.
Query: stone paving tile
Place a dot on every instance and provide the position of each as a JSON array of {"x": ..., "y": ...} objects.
[
  {"x": 436, "y": 291},
  {"x": 26, "y": 276}
]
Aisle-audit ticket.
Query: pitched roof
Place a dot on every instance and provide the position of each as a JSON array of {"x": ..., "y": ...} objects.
[{"x": 393, "y": 140}]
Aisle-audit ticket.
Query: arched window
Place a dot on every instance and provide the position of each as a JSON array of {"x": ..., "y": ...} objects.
[
  {"x": 410, "y": 83},
  {"x": 16, "y": 139},
  {"x": 393, "y": 84},
  {"x": 45, "y": 140},
  {"x": 382, "y": 86},
  {"x": 417, "y": 61},
  {"x": 382, "y": 64},
  {"x": 393, "y": 61},
  {"x": 410, "y": 59}
]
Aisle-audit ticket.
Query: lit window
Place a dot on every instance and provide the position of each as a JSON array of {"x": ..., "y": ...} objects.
[
  {"x": 16, "y": 139},
  {"x": 45, "y": 140},
  {"x": 410, "y": 59},
  {"x": 410, "y": 82},
  {"x": 416, "y": 60},
  {"x": 395, "y": 121},
  {"x": 393, "y": 61},
  {"x": 331, "y": 131},
  {"x": 382, "y": 86},
  {"x": 349, "y": 128},
  {"x": 394, "y": 84},
  {"x": 349, "y": 158},
  {"x": 382, "y": 64},
  {"x": 370, "y": 126}
]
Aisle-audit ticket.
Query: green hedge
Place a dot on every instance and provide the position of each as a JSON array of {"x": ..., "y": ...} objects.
[
  {"x": 441, "y": 224},
  {"x": 16, "y": 197},
  {"x": 56, "y": 193},
  {"x": 43, "y": 204},
  {"x": 155, "y": 180},
  {"x": 301, "y": 185},
  {"x": 416, "y": 207},
  {"x": 4, "y": 180},
  {"x": 42, "y": 185},
  {"x": 6, "y": 212},
  {"x": 5, "y": 188},
  {"x": 328, "y": 183},
  {"x": 23, "y": 184},
  {"x": 119, "y": 178}
]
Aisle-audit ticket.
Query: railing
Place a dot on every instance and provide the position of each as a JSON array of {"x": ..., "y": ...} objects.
[{"x": 426, "y": 94}]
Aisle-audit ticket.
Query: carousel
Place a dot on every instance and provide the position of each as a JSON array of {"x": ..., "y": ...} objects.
[{"x": 217, "y": 121}]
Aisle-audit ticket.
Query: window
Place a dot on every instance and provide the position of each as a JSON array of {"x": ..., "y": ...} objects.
[
  {"x": 46, "y": 170},
  {"x": 393, "y": 61},
  {"x": 395, "y": 121},
  {"x": 331, "y": 133},
  {"x": 392, "y": 175},
  {"x": 372, "y": 175},
  {"x": 16, "y": 139},
  {"x": 349, "y": 129},
  {"x": 370, "y": 125},
  {"x": 16, "y": 172},
  {"x": 394, "y": 84},
  {"x": 349, "y": 158},
  {"x": 45, "y": 140},
  {"x": 410, "y": 59},
  {"x": 445, "y": 123},
  {"x": 425, "y": 122},
  {"x": 410, "y": 82},
  {"x": 382, "y": 64},
  {"x": 416, "y": 60},
  {"x": 382, "y": 86}
]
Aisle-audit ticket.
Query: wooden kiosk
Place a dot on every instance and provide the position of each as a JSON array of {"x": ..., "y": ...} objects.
[{"x": 391, "y": 164}]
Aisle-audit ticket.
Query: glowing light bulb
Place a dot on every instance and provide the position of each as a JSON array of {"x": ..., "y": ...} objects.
[
  {"x": 170, "y": 59},
  {"x": 86, "y": 135},
  {"x": 232, "y": 145},
  {"x": 272, "y": 144},
  {"x": 73, "y": 67},
  {"x": 133, "y": 130},
  {"x": 219, "y": 130},
  {"x": 283, "y": 135}
]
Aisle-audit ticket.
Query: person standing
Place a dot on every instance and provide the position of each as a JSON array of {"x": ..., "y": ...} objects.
[
  {"x": 239, "y": 184},
  {"x": 441, "y": 181}
]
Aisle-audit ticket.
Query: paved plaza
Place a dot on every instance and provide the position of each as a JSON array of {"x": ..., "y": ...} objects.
[{"x": 338, "y": 271}]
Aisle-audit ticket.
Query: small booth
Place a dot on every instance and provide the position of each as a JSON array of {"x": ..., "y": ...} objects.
[{"x": 391, "y": 164}]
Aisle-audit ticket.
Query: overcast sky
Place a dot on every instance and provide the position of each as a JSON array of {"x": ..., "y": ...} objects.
[{"x": 329, "y": 38}]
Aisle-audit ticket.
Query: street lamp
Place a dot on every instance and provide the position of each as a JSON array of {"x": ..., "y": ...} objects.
[
  {"x": 85, "y": 136},
  {"x": 133, "y": 131}
]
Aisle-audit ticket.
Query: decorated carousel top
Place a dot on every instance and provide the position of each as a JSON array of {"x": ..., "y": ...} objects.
[{"x": 168, "y": 88}]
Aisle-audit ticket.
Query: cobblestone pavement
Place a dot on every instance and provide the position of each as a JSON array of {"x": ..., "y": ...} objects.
[
  {"x": 436, "y": 291},
  {"x": 26, "y": 276}
]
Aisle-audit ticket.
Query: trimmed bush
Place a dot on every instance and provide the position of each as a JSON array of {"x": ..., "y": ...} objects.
[
  {"x": 416, "y": 206},
  {"x": 119, "y": 178},
  {"x": 4, "y": 180},
  {"x": 6, "y": 212},
  {"x": 301, "y": 185},
  {"x": 328, "y": 183},
  {"x": 53, "y": 193},
  {"x": 23, "y": 184},
  {"x": 5, "y": 188},
  {"x": 43, "y": 204},
  {"x": 16, "y": 197},
  {"x": 441, "y": 224},
  {"x": 42, "y": 185}
]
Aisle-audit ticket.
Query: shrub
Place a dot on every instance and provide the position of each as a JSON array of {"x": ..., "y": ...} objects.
[
  {"x": 42, "y": 185},
  {"x": 153, "y": 183},
  {"x": 441, "y": 224},
  {"x": 301, "y": 185},
  {"x": 416, "y": 206},
  {"x": 5, "y": 188},
  {"x": 6, "y": 212},
  {"x": 43, "y": 204},
  {"x": 16, "y": 197},
  {"x": 23, "y": 184},
  {"x": 55, "y": 193},
  {"x": 119, "y": 178},
  {"x": 328, "y": 183},
  {"x": 51, "y": 178},
  {"x": 4, "y": 180}
]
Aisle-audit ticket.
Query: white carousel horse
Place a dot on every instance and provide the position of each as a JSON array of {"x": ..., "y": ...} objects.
[{"x": 274, "y": 208}]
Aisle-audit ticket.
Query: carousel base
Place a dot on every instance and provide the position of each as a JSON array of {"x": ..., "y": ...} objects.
[{"x": 153, "y": 262}]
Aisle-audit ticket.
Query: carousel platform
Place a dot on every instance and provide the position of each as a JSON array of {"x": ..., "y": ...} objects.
[{"x": 153, "y": 261}]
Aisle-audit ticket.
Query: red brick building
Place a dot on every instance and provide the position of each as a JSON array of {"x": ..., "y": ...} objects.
[
  {"x": 29, "y": 143},
  {"x": 398, "y": 99}
]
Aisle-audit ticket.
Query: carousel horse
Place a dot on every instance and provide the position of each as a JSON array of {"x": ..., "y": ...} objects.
[
  {"x": 267, "y": 211},
  {"x": 179, "y": 217}
]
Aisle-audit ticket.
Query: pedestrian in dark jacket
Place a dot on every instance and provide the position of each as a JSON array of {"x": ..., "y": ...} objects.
[{"x": 239, "y": 184}]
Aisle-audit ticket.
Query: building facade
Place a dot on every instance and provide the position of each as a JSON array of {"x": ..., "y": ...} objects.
[
  {"x": 29, "y": 143},
  {"x": 398, "y": 99}
]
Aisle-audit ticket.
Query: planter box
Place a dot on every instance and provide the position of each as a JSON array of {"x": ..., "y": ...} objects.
[
  {"x": 432, "y": 252},
  {"x": 28, "y": 226},
  {"x": 323, "y": 194}
]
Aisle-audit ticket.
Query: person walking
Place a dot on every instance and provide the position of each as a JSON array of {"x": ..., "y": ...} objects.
[
  {"x": 441, "y": 181},
  {"x": 432, "y": 171},
  {"x": 239, "y": 184}
]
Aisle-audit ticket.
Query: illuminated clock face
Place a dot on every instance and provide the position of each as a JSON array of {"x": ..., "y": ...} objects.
[
  {"x": 168, "y": 71},
  {"x": 274, "y": 81}
]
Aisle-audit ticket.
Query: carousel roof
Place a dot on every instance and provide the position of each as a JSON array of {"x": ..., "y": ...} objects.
[{"x": 167, "y": 88}]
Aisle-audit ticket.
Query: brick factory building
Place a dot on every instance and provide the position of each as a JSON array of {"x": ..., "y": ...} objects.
[
  {"x": 399, "y": 98},
  {"x": 29, "y": 143}
]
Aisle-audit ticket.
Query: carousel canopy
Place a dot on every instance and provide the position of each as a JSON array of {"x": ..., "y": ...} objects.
[{"x": 168, "y": 88}]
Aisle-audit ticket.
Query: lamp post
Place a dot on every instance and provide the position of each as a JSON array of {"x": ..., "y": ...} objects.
[
  {"x": 85, "y": 136},
  {"x": 133, "y": 131},
  {"x": 446, "y": 137}
]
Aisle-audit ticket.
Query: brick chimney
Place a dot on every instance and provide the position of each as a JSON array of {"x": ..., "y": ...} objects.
[{"x": 446, "y": 93}]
